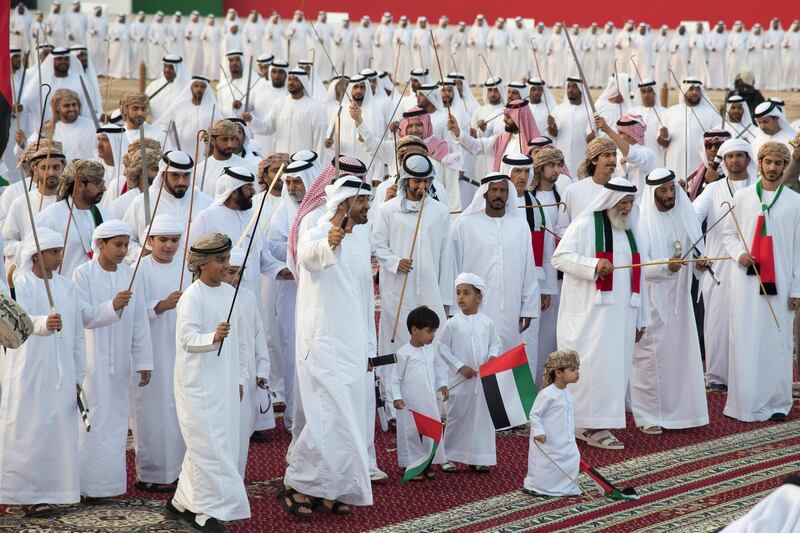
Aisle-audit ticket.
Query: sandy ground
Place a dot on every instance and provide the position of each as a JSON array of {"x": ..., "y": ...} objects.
[{"x": 792, "y": 99}]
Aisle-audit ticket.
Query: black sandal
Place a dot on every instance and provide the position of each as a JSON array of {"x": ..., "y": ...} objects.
[
  {"x": 535, "y": 494},
  {"x": 336, "y": 508},
  {"x": 156, "y": 487},
  {"x": 38, "y": 510},
  {"x": 294, "y": 506}
]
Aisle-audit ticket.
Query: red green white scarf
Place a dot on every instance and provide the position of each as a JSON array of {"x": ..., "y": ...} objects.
[
  {"x": 537, "y": 230},
  {"x": 762, "y": 248},
  {"x": 604, "y": 249}
]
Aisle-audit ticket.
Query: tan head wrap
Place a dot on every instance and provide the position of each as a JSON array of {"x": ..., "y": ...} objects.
[
  {"x": 273, "y": 160},
  {"x": 133, "y": 147},
  {"x": 133, "y": 162},
  {"x": 774, "y": 149},
  {"x": 410, "y": 144},
  {"x": 547, "y": 155},
  {"x": 78, "y": 168},
  {"x": 558, "y": 361},
  {"x": 134, "y": 98},
  {"x": 597, "y": 146},
  {"x": 33, "y": 149},
  {"x": 225, "y": 128},
  {"x": 206, "y": 249},
  {"x": 60, "y": 96}
]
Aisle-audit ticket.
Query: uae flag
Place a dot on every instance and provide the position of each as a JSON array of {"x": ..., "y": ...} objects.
[
  {"x": 5, "y": 76},
  {"x": 430, "y": 431},
  {"x": 508, "y": 388},
  {"x": 605, "y": 487}
]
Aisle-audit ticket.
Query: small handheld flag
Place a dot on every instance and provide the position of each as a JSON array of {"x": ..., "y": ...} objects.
[
  {"x": 508, "y": 388},
  {"x": 84, "y": 411},
  {"x": 431, "y": 428},
  {"x": 605, "y": 487}
]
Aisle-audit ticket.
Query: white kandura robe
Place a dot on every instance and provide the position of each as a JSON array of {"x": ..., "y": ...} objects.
[
  {"x": 207, "y": 177},
  {"x": 114, "y": 354},
  {"x": 553, "y": 415},
  {"x": 78, "y": 138},
  {"x": 207, "y": 401},
  {"x": 760, "y": 379},
  {"x": 716, "y": 298},
  {"x": 683, "y": 153},
  {"x": 40, "y": 417},
  {"x": 416, "y": 379},
  {"x": 79, "y": 241},
  {"x": 496, "y": 249},
  {"x": 468, "y": 340},
  {"x": 579, "y": 195},
  {"x": 284, "y": 299},
  {"x": 156, "y": 436},
  {"x": 572, "y": 122},
  {"x": 295, "y": 124},
  {"x": 257, "y": 358},
  {"x": 17, "y": 223},
  {"x": 543, "y": 336},
  {"x": 167, "y": 205},
  {"x": 667, "y": 387},
  {"x": 604, "y": 335},
  {"x": 119, "y": 50},
  {"x": 430, "y": 283},
  {"x": 329, "y": 458}
]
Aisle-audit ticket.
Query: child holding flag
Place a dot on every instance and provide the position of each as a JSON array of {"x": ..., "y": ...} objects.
[
  {"x": 414, "y": 383},
  {"x": 553, "y": 457},
  {"x": 466, "y": 341}
]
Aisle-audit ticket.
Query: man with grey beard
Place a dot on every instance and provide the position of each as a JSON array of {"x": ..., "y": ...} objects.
[{"x": 601, "y": 311}]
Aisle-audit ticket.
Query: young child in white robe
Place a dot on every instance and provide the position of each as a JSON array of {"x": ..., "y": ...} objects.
[
  {"x": 209, "y": 387},
  {"x": 466, "y": 341},
  {"x": 416, "y": 378},
  {"x": 157, "y": 437},
  {"x": 39, "y": 415},
  {"x": 256, "y": 395},
  {"x": 553, "y": 431},
  {"x": 116, "y": 352}
]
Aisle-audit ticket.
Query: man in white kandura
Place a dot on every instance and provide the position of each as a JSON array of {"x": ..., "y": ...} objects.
[
  {"x": 667, "y": 387},
  {"x": 601, "y": 310}
]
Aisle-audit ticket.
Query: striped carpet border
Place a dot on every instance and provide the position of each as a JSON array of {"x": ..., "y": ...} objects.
[{"x": 747, "y": 450}]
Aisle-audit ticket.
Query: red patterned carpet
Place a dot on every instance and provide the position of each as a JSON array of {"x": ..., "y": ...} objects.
[{"x": 692, "y": 480}]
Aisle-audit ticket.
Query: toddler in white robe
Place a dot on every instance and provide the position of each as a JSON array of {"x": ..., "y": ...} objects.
[
  {"x": 415, "y": 379},
  {"x": 552, "y": 440},
  {"x": 465, "y": 342}
]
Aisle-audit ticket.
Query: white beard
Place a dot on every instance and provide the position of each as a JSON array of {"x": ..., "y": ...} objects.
[{"x": 620, "y": 222}]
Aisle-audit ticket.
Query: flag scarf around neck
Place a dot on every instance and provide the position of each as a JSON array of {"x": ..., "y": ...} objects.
[
  {"x": 508, "y": 388},
  {"x": 762, "y": 247},
  {"x": 430, "y": 431},
  {"x": 605, "y": 487},
  {"x": 537, "y": 230},
  {"x": 604, "y": 249}
]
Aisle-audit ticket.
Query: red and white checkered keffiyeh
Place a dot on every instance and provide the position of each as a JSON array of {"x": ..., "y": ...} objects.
[
  {"x": 315, "y": 198},
  {"x": 521, "y": 114},
  {"x": 633, "y": 125},
  {"x": 437, "y": 148}
]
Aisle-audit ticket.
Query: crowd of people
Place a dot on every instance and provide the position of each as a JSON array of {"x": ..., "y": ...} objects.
[
  {"x": 204, "y": 256},
  {"x": 714, "y": 53}
]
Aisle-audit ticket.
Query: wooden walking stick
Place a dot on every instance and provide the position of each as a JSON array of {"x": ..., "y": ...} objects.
[
  {"x": 197, "y": 141},
  {"x": 486, "y": 64},
  {"x": 755, "y": 267},
  {"x": 253, "y": 218},
  {"x": 673, "y": 261},
  {"x": 241, "y": 270},
  {"x": 147, "y": 235},
  {"x": 208, "y": 142},
  {"x": 638, "y": 75},
  {"x": 439, "y": 65},
  {"x": 583, "y": 79},
  {"x": 410, "y": 256}
]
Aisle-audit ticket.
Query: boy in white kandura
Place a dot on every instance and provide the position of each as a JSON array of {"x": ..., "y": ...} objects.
[
  {"x": 466, "y": 341},
  {"x": 553, "y": 457},
  {"x": 415, "y": 379}
]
